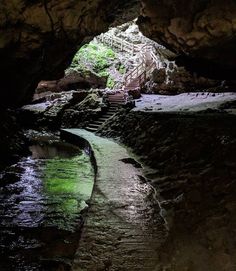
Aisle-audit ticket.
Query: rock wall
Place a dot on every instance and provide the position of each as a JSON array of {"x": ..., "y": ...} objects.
[
  {"x": 64, "y": 109},
  {"x": 72, "y": 81},
  {"x": 193, "y": 157},
  {"x": 39, "y": 38},
  {"x": 12, "y": 140},
  {"x": 179, "y": 80},
  {"x": 201, "y": 33}
]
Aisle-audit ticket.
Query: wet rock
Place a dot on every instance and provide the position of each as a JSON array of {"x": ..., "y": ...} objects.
[
  {"x": 131, "y": 161},
  {"x": 41, "y": 203},
  {"x": 9, "y": 177},
  {"x": 50, "y": 113},
  {"x": 194, "y": 178},
  {"x": 12, "y": 140}
]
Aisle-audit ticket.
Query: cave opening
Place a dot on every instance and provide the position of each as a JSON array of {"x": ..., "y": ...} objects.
[{"x": 123, "y": 157}]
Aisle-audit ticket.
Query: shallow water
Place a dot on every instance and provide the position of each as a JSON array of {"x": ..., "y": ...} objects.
[{"x": 41, "y": 199}]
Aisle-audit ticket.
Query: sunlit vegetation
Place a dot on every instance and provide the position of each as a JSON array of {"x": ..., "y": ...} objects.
[
  {"x": 95, "y": 57},
  {"x": 99, "y": 59}
]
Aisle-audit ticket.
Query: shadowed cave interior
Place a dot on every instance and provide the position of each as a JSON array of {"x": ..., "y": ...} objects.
[{"x": 117, "y": 135}]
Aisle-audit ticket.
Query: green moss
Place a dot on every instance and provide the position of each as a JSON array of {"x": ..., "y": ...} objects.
[
  {"x": 95, "y": 57},
  {"x": 110, "y": 82},
  {"x": 122, "y": 69},
  {"x": 103, "y": 74},
  {"x": 67, "y": 185}
]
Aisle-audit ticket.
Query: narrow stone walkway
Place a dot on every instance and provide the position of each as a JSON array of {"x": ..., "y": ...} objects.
[{"x": 123, "y": 230}]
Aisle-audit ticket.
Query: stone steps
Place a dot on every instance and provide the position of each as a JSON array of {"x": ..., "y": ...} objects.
[
  {"x": 115, "y": 101},
  {"x": 94, "y": 126},
  {"x": 103, "y": 119},
  {"x": 98, "y": 121},
  {"x": 90, "y": 129}
]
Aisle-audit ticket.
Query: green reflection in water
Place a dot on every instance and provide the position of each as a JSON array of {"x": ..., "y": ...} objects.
[{"x": 67, "y": 185}]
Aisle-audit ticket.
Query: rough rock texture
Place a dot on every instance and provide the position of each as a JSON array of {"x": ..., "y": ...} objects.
[
  {"x": 49, "y": 111},
  {"x": 123, "y": 231},
  {"x": 202, "y": 32},
  {"x": 40, "y": 230},
  {"x": 193, "y": 157},
  {"x": 38, "y": 39},
  {"x": 134, "y": 93},
  {"x": 72, "y": 81},
  {"x": 81, "y": 114},
  {"x": 64, "y": 109},
  {"x": 179, "y": 80},
  {"x": 12, "y": 140}
]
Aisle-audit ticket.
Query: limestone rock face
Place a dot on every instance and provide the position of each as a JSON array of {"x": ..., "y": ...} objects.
[
  {"x": 201, "y": 32},
  {"x": 39, "y": 38},
  {"x": 48, "y": 111},
  {"x": 179, "y": 80},
  {"x": 73, "y": 80}
]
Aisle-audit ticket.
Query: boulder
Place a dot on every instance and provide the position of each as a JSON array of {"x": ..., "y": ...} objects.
[
  {"x": 79, "y": 80},
  {"x": 92, "y": 101},
  {"x": 82, "y": 113},
  {"x": 49, "y": 112},
  {"x": 72, "y": 81},
  {"x": 159, "y": 76},
  {"x": 135, "y": 93}
]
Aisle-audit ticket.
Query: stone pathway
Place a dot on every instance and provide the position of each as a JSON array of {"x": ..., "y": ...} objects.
[{"x": 123, "y": 230}]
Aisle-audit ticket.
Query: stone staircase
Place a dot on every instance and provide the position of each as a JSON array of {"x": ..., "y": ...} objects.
[
  {"x": 132, "y": 80},
  {"x": 115, "y": 101}
]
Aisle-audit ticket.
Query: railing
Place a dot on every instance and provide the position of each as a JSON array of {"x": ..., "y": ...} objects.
[
  {"x": 135, "y": 73},
  {"x": 119, "y": 43},
  {"x": 156, "y": 60},
  {"x": 149, "y": 60}
]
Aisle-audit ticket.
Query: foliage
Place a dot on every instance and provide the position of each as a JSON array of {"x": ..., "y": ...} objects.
[
  {"x": 122, "y": 69},
  {"x": 99, "y": 59},
  {"x": 95, "y": 57},
  {"x": 110, "y": 82}
]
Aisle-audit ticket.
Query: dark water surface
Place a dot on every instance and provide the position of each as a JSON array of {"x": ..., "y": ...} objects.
[{"x": 41, "y": 199}]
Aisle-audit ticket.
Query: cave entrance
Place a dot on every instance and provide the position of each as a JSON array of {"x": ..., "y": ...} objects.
[
  {"x": 123, "y": 68},
  {"x": 120, "y": 59}
]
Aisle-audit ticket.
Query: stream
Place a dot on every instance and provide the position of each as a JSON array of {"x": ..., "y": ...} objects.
[{"x": 42, "y": 199}]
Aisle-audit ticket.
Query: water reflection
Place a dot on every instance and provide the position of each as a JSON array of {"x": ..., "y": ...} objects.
[{"x": 40, "y": 203}]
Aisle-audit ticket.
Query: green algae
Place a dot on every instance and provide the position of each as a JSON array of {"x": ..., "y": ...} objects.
[{"x": 68, "y": 184}]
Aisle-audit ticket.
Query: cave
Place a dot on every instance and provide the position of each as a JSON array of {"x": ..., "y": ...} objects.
[{"x": 118, "y": 135}]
